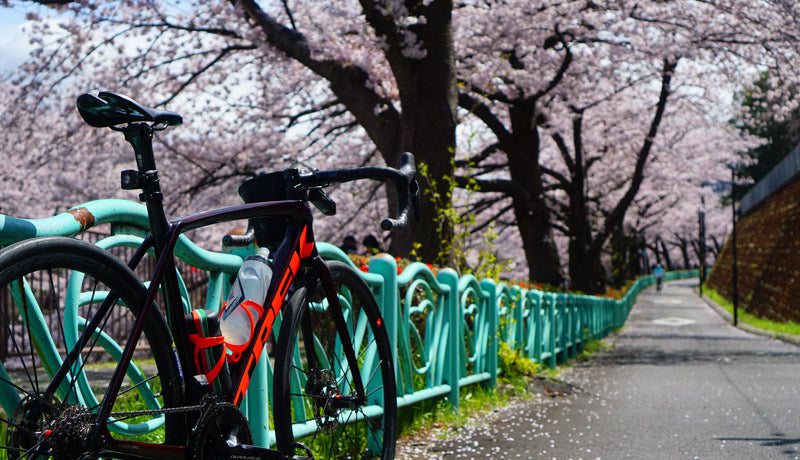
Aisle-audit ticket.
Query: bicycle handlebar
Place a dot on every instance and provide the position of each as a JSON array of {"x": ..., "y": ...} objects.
[
  {"x": 240, "y": 240},
  {"x": 403, "y": 178}
]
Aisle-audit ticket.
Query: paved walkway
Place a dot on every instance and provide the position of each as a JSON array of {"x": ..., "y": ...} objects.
[{"x": 677, "y": 383}]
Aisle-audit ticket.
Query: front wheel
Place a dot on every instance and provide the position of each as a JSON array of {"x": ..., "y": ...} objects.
[{"x": 317, "y": 401}]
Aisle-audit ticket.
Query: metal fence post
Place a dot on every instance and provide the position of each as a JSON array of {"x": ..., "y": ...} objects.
[
  {"x": 517, "y": 304},
  {"x": 388, "y": 302},
  {"x": 490, "y": 290},
  {"x": 551, "y": 319},
  {"x": 536, "y": 314},
  {"x": 449, "y": 278}
]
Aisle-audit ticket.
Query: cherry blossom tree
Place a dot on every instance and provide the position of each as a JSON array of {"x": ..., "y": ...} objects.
[
  {"x": 385, "y": 68},
  {"x": 575, "y": 115},
  {"x": 584, "y": 100}
]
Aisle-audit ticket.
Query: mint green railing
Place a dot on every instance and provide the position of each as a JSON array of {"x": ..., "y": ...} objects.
[{"x": 445, "y": 329}]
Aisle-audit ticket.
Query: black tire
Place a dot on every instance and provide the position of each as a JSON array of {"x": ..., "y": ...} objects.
[
  {"x": 47, "y": 265},
  {"x": 295, "y": 392}
]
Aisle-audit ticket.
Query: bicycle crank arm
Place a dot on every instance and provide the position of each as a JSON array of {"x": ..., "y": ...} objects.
[{"x": 242, "y": 451}]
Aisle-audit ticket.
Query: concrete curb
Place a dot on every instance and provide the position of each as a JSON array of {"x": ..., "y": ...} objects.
[{"x": 783, "y": 337}]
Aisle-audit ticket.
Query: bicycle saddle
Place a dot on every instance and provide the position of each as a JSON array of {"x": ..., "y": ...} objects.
[{"x": 111, "y": 109}]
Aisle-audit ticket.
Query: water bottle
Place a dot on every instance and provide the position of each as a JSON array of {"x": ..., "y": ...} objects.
[{"x": 246, "y": 300}]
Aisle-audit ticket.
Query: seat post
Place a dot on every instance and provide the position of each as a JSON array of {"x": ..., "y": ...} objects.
[{"x": 140, "y": 136}]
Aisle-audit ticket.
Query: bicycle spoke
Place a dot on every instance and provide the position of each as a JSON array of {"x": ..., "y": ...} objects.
[
  {"x": 96, "y": 336},
  {"x": 34, "y": 449},
  {"x": 35, "y": 381},
  {"x": 380, "y": 388},
  {"x": 10, "y": 423},
  {"x": 137, "y": 385},
  {"x": 25, "y": 452},
  {"x": 56, "y": 307},
  {"x": 13, "y": 384}
]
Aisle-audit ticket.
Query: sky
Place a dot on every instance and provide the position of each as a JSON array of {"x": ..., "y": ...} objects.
[{"x": 14, "y": 44}]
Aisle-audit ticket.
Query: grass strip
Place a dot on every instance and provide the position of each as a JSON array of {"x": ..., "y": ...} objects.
[{"x": 778, "y": 327}]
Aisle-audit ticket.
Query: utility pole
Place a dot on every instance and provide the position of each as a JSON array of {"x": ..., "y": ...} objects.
[
  {"x": 733, "y": 241},
  {"x": 701, "y": 223}
]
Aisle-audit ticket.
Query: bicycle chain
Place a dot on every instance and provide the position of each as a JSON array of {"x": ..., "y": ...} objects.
[
  {"x": 176, "y": 410},
  {"x": 164, "y": 410}
]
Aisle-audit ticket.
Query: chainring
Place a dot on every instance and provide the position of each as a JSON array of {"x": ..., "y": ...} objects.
[{"x": 221, "y": 422}]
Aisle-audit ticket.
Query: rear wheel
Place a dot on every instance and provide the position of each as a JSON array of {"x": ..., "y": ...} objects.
[
  {"x": 316, "y": 400},
  {"x": 50, "y": 289}
]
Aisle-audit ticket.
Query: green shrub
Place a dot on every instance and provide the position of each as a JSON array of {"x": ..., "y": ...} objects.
[{"x": 514, "y": 365}]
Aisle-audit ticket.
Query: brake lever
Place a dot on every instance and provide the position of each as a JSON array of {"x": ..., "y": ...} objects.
[{"x": 322, "y": 201}]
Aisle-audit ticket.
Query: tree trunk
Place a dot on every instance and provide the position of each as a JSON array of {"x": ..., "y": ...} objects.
[
  {"x": 530, "y": 209},
  {"x": 620, "y": 255},
  {"x": 667, "y": 259},
  {"x": 585, "y": 269},
  {"x": 429, "y": 101},
  {"x": 427, "y": 86},
  {"x": 584, "y": 246},
  {"x": 584, "y": 256},
  {"x": 537, "y": 241},
  {"x": 684, "y": 247}
]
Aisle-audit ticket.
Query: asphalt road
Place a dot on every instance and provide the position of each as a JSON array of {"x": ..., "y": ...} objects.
[{"x": 677, "y": 382}]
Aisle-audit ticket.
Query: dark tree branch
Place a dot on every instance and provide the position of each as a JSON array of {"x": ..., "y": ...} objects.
[
  {"x": 486, "y": 169},
  {"x": 224, "y": 52},
  {"x": 494, "y": 97},
  {"x": 480, "y": 110},
  {"x": 564, "y": 151},
  {"x": 490, "y": 185},
  {"x": 492, "y": 219},
  {"x": 563, "y": 182},
  {"x": 347, "y": 81},
  {"x": 168, "y": 25},
  {"x": 618, "y": 213},
  {"x": 294, "y": 119},
  {"x": 562, "y": 70},
  {"x": 484, "y": 154},
  {"x": 486, "y": 203},
  {"x": 590, "y": 162},
  {"x": 289, "y": 14}
]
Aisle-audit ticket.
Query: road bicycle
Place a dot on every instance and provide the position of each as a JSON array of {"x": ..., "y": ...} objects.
[{"x": 334, "y": 393}]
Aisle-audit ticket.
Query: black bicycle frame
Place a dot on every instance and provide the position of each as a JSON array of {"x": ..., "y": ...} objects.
[{"x": 296, "y": 253}]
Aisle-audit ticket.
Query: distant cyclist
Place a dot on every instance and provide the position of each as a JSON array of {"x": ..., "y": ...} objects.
[{"x": 658, "y": 272}]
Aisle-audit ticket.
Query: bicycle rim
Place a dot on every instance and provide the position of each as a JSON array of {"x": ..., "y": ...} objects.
[
  {"x": 50, "y": 289},
  {"x": 315, "y": 396}
]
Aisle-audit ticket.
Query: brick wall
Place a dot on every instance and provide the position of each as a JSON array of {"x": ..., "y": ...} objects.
[{"x": 768, "y": 253}]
